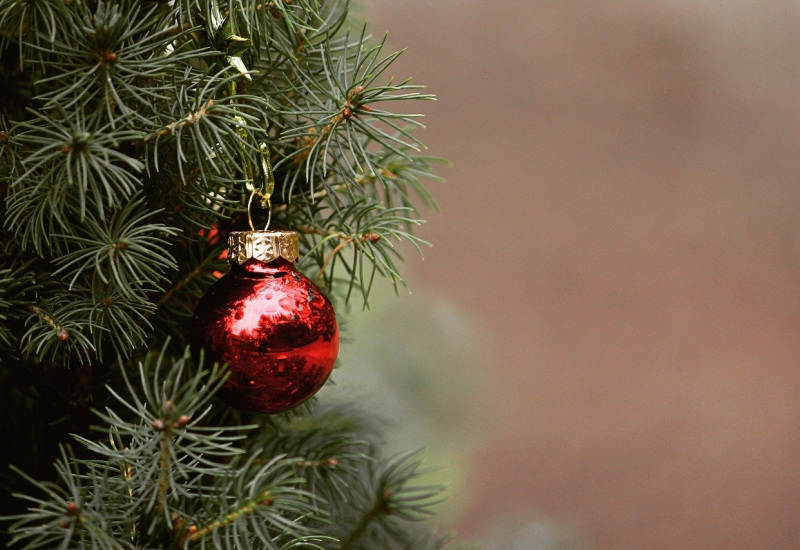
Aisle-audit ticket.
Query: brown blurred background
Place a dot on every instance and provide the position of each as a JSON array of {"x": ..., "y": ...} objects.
[{"x": 621, "y": 230}]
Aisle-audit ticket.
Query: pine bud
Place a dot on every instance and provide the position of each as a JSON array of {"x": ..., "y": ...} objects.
[
  {"x": 158, "y": 425},
  {"x": 63, "y": 335},
  {"x": 352, "y": 96},
  {"x": 384, "y": 502},
  {"x": 66, "y": 149},
  {"x": 333, "y": 463},
  {"x": 372, "y": 237},
  {"x": 72, "y": 509},
  {"x": 182, "y": 421},
  {"x": 3, "y": 136},
  {"x": 267, "y": 502},
  {"x": 347, "y": 112}
]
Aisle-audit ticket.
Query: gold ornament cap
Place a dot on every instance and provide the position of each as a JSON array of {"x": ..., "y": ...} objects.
[{"x": 264, "y": 246}]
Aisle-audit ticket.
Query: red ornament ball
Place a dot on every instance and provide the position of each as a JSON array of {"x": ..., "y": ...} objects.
[{"x": 274, "y": 329}]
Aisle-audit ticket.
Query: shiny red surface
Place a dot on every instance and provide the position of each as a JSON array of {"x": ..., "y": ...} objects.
[{"x": 276, "y": 331}]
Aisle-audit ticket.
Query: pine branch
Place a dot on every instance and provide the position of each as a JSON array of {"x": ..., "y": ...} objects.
[
  {"x": 366, "y": 520},
  {"x": 56, "y": 332},
  {"x": 334, "y": 116},
  {"x": 48, "y": 320},
  {"x": 127, "y": 150},
  {"x": 371, "y": 228},
  {"x": 165, "y": 470},
  {"x": 128, "y": 253},
  {"x": 395, "y": 497}
]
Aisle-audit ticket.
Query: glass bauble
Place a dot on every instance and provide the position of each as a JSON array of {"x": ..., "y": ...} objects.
[{"x": 275, "y": 330}]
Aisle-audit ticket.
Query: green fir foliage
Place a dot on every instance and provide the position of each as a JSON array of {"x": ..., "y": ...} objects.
[{"x": 131, "y": 136}]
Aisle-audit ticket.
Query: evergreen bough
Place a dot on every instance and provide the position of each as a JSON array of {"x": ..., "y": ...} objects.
[{"x": 132, "y": 135}]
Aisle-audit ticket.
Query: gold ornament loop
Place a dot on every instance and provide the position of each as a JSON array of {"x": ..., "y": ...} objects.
[{"x": 265, "y": 202}]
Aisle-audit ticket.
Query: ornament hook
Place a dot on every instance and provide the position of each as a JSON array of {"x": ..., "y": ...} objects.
[
  {"x": 264, "y": 202},
  {"x": 265, "y": 193}
]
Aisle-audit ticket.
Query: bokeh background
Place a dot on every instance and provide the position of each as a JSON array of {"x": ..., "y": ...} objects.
[{"x": 603, "y": 346}]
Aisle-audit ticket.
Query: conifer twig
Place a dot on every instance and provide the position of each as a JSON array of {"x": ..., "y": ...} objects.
[
  {"x": 333, "y": 252},
  {"x": 195, "y": 533},
  {"x": 62, "y": 332},
  {"x": 163, "y": 463},
  {"x": 188, "y": 120},
  {"x": 379, "y": 507},
  {"x": 186, "y": 280}
]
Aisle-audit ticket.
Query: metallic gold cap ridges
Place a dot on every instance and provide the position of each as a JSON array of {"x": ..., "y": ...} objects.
[{"x": 264, "y": 246}]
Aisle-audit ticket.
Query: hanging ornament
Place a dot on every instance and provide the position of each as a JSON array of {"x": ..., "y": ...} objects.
[{"x": 269, "y": 323}]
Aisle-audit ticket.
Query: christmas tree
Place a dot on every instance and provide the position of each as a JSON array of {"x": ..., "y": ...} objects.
[{"x": 135, "y": 137}]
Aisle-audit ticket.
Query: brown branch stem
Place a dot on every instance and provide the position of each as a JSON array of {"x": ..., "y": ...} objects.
[
  {"x": 194, "y": 533},
  {"x": 45, "y": 317},
  {"x": 312, "y": 139},
  {"x": 348, "y": 110},
  {"x": 186, "y": 280},
  {"x": 188, "y": 120},
  {"x": 163, "y": 463},
  {"x": 333, "y": 252},
  {"x": 366, "y": 519}
]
